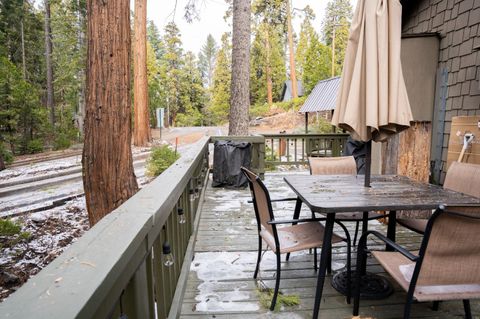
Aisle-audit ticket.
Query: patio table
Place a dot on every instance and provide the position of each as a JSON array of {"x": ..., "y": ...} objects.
[{"x": 330, "y": 194}]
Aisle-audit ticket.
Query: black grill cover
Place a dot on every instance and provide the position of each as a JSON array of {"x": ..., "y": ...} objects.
[{"x": 228, "y": 157}]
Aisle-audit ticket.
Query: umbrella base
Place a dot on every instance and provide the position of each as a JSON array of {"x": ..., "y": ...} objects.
[{"x": 371, "y": 286}]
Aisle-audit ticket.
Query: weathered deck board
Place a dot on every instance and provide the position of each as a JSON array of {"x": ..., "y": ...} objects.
[{"x": 220, "y": 283}]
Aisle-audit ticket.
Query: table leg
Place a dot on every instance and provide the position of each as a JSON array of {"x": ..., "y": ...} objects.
[
  {"x": 327, "y": 242},
  {"x": 392, "y": 224},
  {"x": 365, "y": 222}
]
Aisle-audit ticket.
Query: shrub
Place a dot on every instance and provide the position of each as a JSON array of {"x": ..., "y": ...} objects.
[
  {"x": 11, "y": 233},
  {"x": 35, "y": 146},
  {"x": 62, "y": 141},
  {"x": 259, "y": 110},
  {"x": 293, "y": 104},
  {"x": 6, "y": 155},
  {"x": 160, "y": 159},
  {"x": 9, "y": 228}
]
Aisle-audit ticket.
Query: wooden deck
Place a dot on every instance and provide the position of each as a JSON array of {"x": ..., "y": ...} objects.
[{"x": 220, "y": 283}]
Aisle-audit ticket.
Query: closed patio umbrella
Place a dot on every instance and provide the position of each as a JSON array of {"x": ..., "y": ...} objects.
[{"x": 372, "y": 102}]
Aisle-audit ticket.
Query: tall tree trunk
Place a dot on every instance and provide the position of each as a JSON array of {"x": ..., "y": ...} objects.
[
  {"x": 293, "y": 73},
  {"x": 80, "y": 116},
  {"x": 240, "y": 86},
  {"x": 141, "y": 135},
  {"x": 24, "y": 64},
  {"x": 48, "y": 61},
  {"x": 268, "y": 71},
  {"x": 333, "y": 51},
  {"x": 2, "y": 163},
  {"x": 108, "y": 176}
]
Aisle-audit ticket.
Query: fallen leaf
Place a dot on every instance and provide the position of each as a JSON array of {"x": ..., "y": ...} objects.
[{"x": 88, "y": 264}]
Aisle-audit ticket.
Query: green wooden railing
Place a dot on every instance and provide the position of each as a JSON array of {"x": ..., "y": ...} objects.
[
  {"x": 270, "y": 150},
  {"x": 294, "y": 149},
  {"x": 116, "y": 267},
  {"x": 258, "y": 149}
]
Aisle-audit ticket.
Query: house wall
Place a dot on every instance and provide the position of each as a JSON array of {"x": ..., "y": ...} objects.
[{"x": 458, "y": 24}]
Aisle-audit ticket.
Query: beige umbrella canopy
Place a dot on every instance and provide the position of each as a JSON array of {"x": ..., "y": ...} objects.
[{"x": 372, "y": 102}]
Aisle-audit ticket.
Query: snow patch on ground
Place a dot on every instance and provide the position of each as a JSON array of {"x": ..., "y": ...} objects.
[
  {"x": 212, "y": 268},
  {"x": 38, "y": 169},
  {"x": 51, "y": 232}
]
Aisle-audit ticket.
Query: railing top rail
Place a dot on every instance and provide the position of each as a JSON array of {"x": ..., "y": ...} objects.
[
  {"x": 250, "y": 138},
  {"x": 79, "y": 281},
  {"x": 322, "y": 135}
]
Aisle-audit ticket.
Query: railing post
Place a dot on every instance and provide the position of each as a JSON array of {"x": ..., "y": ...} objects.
[
  {"x": 336, "y": 146},
  {"x": 137, "y": 295}
]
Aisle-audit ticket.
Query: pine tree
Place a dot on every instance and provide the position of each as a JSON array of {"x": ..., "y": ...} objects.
[
  {"x": 173, "y": 64},
  {"x": 259, "y": 63},
  {"x": 192, "y": 93},
  {"x": 268, "y": 72},
  {"x": 156, "y": 78},
  {"x": 153, "y": 37},
  {"x": 206, "y": 60},
  {"x": 108, "y": 176},
  {"x": 335, "y": 31},
  {"x": 317, "y": 64},
  {"x": 68, "y": 61},
  {"x": 240, "y": 86},
  {"x": 14, "y": 13},
  {"x": 217, "y": 110},
  {"x": 21, "y": 115},
  {"x": 141, "y": 132},
  {"x": 307, "y": 32}
]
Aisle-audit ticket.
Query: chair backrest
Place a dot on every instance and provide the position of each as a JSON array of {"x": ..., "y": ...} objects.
[
  {"x": 342, "y": 165},
  {"x": 463, "y": 178},
  {"x": 261, "y": 199},
  {"x": 451, "y": 248}
]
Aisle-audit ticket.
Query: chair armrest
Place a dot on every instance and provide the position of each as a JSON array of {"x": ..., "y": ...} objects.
[
  {"x": 304, "y": 220},
  {"x": 278, "y": 200},
  {"x": 283, "y": 199},
  {"x": 392, "y": 244}
]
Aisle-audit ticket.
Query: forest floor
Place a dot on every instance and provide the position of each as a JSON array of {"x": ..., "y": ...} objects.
[{"x": 43, "y": 194}]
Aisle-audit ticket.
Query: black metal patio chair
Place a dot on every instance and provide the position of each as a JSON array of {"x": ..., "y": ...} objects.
[
  {"x": 341, "y": 165},
  {"x": 299, "y": 234},
  {"x": 447, "y": 267},
  {"x": 460, "y": 177}
]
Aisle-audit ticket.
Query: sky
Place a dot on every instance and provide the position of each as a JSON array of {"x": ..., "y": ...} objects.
[{"x": 211, "y": 21}]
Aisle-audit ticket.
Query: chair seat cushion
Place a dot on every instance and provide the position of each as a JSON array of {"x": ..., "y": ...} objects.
[
  {"x": 298, "y": 237},
  {"x": 401, "y": 269},
  {"x": 415, "y": 224}
]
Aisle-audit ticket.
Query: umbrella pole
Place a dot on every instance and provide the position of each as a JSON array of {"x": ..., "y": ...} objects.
[{"x": 368, "y": 162}]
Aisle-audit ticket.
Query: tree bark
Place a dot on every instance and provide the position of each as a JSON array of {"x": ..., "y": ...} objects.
[
  {"x": 140, "y": 91},
  {"x": 268, "y": 71},
  {"x": 293, "y": 73},
  {"x": 240, "y": 86},
  {"x": 2, "y": 163},
  {"x": 24, "y": 65},
  {"x": 108, "y": 176},
  {"x": 48, "y": 62},
  {"x": 80, "y": 116}
]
